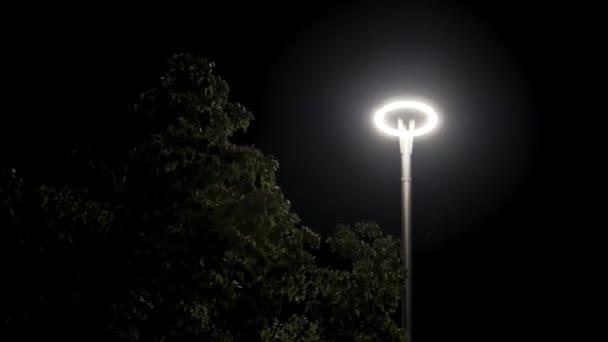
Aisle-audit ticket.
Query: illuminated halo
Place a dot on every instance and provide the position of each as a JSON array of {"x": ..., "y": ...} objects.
[{"x": 419, "y": 106}]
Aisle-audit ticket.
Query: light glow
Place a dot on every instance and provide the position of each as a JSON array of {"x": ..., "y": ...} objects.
[{"x": 432, "y": 121}]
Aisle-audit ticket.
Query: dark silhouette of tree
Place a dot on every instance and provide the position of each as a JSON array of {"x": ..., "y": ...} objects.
[{"x": 169, "y": 231}]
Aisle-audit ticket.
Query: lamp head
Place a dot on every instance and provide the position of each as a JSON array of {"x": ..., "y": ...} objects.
[{"x": 433, "y": 118}]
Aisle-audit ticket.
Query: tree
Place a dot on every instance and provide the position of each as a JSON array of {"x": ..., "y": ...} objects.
[{"x": 169, "y": 231}]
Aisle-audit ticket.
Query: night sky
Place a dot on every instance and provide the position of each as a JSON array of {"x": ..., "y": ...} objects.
[{"x": 487, "y": 223}]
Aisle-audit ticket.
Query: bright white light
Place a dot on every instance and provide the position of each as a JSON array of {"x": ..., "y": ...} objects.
[{"x": 419, "y": 106}]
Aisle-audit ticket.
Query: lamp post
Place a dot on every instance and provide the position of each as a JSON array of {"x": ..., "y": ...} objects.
[{"x": 406, "y": 143}]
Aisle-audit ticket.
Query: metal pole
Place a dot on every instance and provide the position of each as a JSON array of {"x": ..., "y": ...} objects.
[{"x": 406, "y": 144}]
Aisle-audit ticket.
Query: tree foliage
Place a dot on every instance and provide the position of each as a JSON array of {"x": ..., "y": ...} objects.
[{"x": 169, "y": 231}]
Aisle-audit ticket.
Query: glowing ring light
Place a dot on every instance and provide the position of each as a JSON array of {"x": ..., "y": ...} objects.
[{"x": 419, "y": 106}]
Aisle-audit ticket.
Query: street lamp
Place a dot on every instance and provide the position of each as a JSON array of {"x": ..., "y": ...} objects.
[{"x": 406, "y": 143}]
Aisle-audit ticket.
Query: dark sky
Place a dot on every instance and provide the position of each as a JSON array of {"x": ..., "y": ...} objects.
[{"x": 486, "y": 210}]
